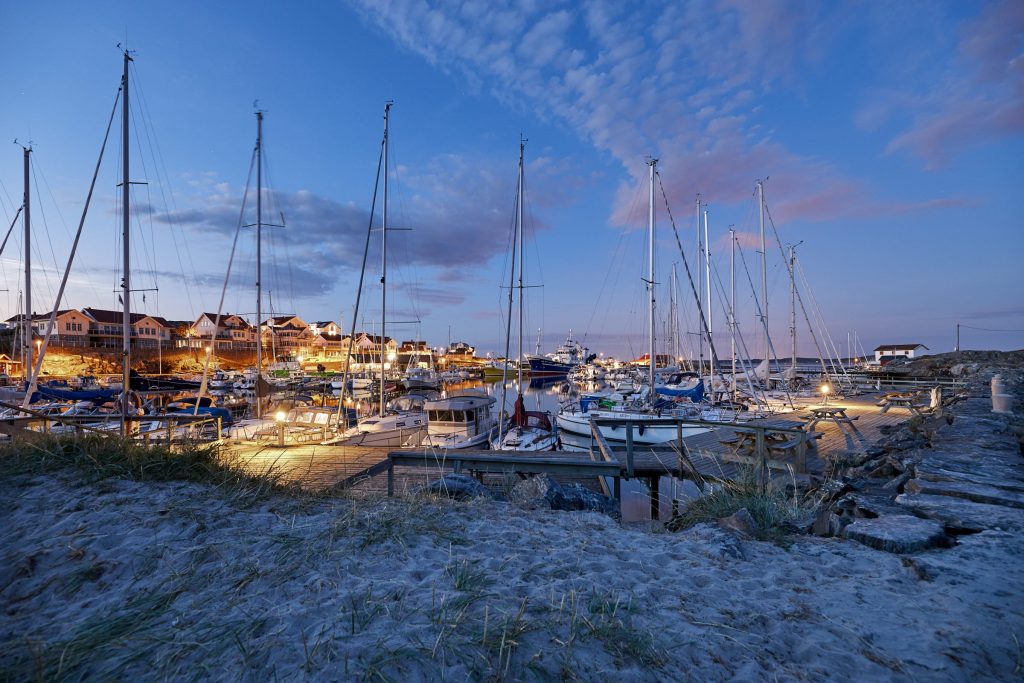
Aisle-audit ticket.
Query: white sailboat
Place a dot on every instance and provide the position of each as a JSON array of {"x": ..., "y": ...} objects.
[
  {"x": 643, "y": 406},
  {"x": 528, "y": 430}
]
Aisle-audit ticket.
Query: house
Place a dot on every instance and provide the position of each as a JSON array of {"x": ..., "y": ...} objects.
[
  {"x": 287, "y": 335},
  {"x": 328, "y": 327},
  {"x": 367, "y": 348},
  {"x": 326, "y": 345},
  {"x": 233, "y": 331},
  {"x": 71, "y": 327},
  {"x": 107, "y": 327},
  {"x": 891, "y": 351}
]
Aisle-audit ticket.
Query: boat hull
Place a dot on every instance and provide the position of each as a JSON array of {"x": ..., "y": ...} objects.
[
  {"x": 545, "y": 367},
  {"x": 579, "y": 423}
]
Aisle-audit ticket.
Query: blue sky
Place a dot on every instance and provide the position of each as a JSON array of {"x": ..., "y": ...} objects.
[{"x": 890, "y": 136}]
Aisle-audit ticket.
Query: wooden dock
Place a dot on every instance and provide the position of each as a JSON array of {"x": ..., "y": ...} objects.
[{"x": 705, "y": 456}]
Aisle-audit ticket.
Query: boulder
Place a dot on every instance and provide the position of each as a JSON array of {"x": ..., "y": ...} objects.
[
  {"x": 897, "y": 533},
  {"x": 543, "y": 491},
  {"x": 741, "y": 521},
  {"x": 458, "y": 486},
  {"x": 828, "y": 523}
]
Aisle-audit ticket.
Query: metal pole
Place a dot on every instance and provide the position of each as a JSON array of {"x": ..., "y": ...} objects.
[
  {"x": 764, "y": 269},
  {"x": 707, "y": 270},
  {"x": 384, "y": 255},
  {"x": 259, "y": 262},
  {"x": 792, "y": 319},
  {"x": 958, "y": 337},
  {"x": 26, "y": 337},
  {"x": 732, "y": 305},
  {"x": 126, "y": 333},
  {"x": 700, "y": 286},
  {"x": 650, "y": 271},
  {"x": 519, "y": 221}
]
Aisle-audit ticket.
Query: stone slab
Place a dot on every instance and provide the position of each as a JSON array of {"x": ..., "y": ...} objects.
[
  {"x": 979, "y": 493},
  {"x": 897, "y": 533},
  {"x": 961, "y": 514}
]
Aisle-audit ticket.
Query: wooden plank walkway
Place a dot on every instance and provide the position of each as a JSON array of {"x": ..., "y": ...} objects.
[{"x": 363, "y": 469}]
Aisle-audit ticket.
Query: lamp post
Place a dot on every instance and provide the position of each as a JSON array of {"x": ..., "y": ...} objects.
[
  {"x": 825, "y": 390},
  {"x": 279, "y": 417}
]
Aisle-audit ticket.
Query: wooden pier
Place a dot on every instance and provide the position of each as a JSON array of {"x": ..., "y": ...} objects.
[{"x": 708, "y": 456}]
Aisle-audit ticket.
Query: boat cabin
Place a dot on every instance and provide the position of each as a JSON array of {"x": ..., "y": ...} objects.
[{"x": 465, "y": 415}]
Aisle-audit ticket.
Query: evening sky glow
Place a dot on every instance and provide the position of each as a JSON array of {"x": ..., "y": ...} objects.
[{"x": 890, "y": 135}]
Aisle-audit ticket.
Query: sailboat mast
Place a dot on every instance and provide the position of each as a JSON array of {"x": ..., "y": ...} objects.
[
  {"x": 792, "y": 315},
  {"x": 732, "y": 305},
  {"x": 519, "y": 229},
  {"x": 126, "y": 233},
  {"x": 707, "y": 272},
  {"x": 764, "y": 268},
  {"x": 259, "y": 261},
  {"x": 700, "y": 286},
  {"x": 650, "y": 268},
  {"x": 384, "y": 254},
  {"x": 26, "y": 335}
]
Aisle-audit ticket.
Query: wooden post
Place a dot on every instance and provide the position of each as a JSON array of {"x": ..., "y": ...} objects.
[
  {"x": 618, "y": 490},
  {"x": 759, "y": 458},
  {"x": 391, "y": 479},
  {"x": 629, "y": 450},
  {"x": 652, "y": 485}
]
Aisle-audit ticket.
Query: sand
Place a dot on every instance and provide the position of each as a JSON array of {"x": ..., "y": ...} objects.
[{"x": 129, "y": 581}]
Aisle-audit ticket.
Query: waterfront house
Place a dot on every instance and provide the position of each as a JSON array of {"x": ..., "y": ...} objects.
[
  {"x": 892, "y": 351},
  {"x": 233, "y": 332},
  {"x": 106, "y": 328},
  {"x": 287, "y": 335}
]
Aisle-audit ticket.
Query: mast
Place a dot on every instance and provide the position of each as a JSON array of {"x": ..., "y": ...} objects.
[
  {"x": 126, "y": 234},
  {"x": 519, "y": 225},
  {"x": 26, "y": 335},
  {"x": 707, "y": 270},
  {"x": 732, "y": 305},
  {"x": 764, "y": 269},
  {"x": 259, "y": 261},
  {"x": 792, "y": 316},
  {"x": 700, "y": 286},
  {"x": 650, "y": 270},
  {"x": 384, "y": 255},
  {"x": 508, "y": 320}
]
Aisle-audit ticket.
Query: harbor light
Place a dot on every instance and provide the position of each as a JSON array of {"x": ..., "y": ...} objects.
[
  {"x": 279, "y": 416},
  {"x": 299, "y": 358},
  {"x": 391, "y": 356},
  {"x": 825, "y": 390}
]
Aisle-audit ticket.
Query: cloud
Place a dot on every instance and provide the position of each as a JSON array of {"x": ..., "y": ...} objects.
[{"x": 673, "y": 80}]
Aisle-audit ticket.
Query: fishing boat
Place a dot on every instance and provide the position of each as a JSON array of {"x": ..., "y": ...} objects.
[
  {"x": 564, "y": 359},
  {"x": 464, "y": 420}
]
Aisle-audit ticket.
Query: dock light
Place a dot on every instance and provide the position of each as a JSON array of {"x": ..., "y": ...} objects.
[
  {"x": 391, "y": 356},
  {"x": 279, "y": 416},
  {"x": 825, "y": 389},
  {"x": 299, "y": 358},
  {"x": 209, "y": 349}
]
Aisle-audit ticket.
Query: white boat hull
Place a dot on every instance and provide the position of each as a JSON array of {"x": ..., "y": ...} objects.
[{"x": 579, "y": 423}]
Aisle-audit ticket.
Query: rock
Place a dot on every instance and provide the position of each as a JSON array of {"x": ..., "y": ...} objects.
[
  {"x": 898, "y": 483},
  {"x": 897, "y": 533},
  {"x": 740, "y": 521},
  {"x": 458, "y": 486},
  {"x": 934, "y": 473},
  {"x": 965, "y": 516},
  {"x": 827, "y": 523},
  {"x": 543, "y": 490},
  {"x": 979, "y": 493}
]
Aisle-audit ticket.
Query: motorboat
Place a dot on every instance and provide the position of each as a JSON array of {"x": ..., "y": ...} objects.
[{"x": 464, "y": 420}]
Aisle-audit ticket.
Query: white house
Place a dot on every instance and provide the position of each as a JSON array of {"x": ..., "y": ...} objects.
[{"x": 899, "y": 351}]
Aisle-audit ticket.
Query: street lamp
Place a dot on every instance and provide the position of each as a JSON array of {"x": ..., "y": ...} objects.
[{"x": 825, "y": 389}]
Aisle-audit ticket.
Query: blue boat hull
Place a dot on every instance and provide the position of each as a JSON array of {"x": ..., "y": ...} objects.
[{"x": 547, "y": 367}]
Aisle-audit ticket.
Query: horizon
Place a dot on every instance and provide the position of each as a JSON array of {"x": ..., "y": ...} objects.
[{"x": 889, "y": 138}]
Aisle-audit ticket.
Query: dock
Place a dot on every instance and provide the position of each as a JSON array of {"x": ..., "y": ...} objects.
[{"x": 708, "y": 456}]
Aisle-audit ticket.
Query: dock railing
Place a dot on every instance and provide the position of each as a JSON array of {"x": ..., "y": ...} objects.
[
  {"x": 759, "y": 460},
  {"x": 29, "y": 422}
]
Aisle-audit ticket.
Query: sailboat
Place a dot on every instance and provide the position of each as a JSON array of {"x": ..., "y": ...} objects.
[
  {"x": 528, "y": 430},
  {"x": 401, "y": 422},
  {"x": 645, "y": 405}
]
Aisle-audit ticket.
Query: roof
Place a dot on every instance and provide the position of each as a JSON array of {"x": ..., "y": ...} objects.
[
  {"x": 322, "y": 323},
  {"x": 224, "y": 317},
  {"x": 117, "y": 317},
  {"x": 899, "y": 347},
  {"x": 280, "y": 319}
]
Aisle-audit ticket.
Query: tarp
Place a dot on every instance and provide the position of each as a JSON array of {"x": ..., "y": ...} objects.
[
  {"x": 55, "y": 394},
  {"x": 695, "y": 393}
]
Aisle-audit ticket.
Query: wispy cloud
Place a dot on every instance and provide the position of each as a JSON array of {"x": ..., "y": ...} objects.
[{"x": 674, "y": 80}]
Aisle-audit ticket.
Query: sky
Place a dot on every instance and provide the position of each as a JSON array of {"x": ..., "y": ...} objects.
[{"x": 888, "y": 137}]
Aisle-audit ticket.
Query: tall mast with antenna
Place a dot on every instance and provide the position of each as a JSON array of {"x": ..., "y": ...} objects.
[
  {"x": 700, "y": 325},
  {"x": 384, "y": 254},
  {"x": 259, "y": 261},
  {"x": 652, "y": 162},
  {"x": 519, "y": 220},
  {"x": 126, "y": 291},
  {"x": 26, "y": 335},
  {"x": 792, "y": 314}
]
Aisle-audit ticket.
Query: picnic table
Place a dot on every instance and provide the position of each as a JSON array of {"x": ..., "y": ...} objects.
[
  {"x": 835, "y": 414},
  {"x": 909, "y": 400},
  {"x": 780, "y": 437}
]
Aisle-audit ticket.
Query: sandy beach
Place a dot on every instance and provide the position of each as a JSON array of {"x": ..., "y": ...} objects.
[{"x": 128, "y": 580}]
